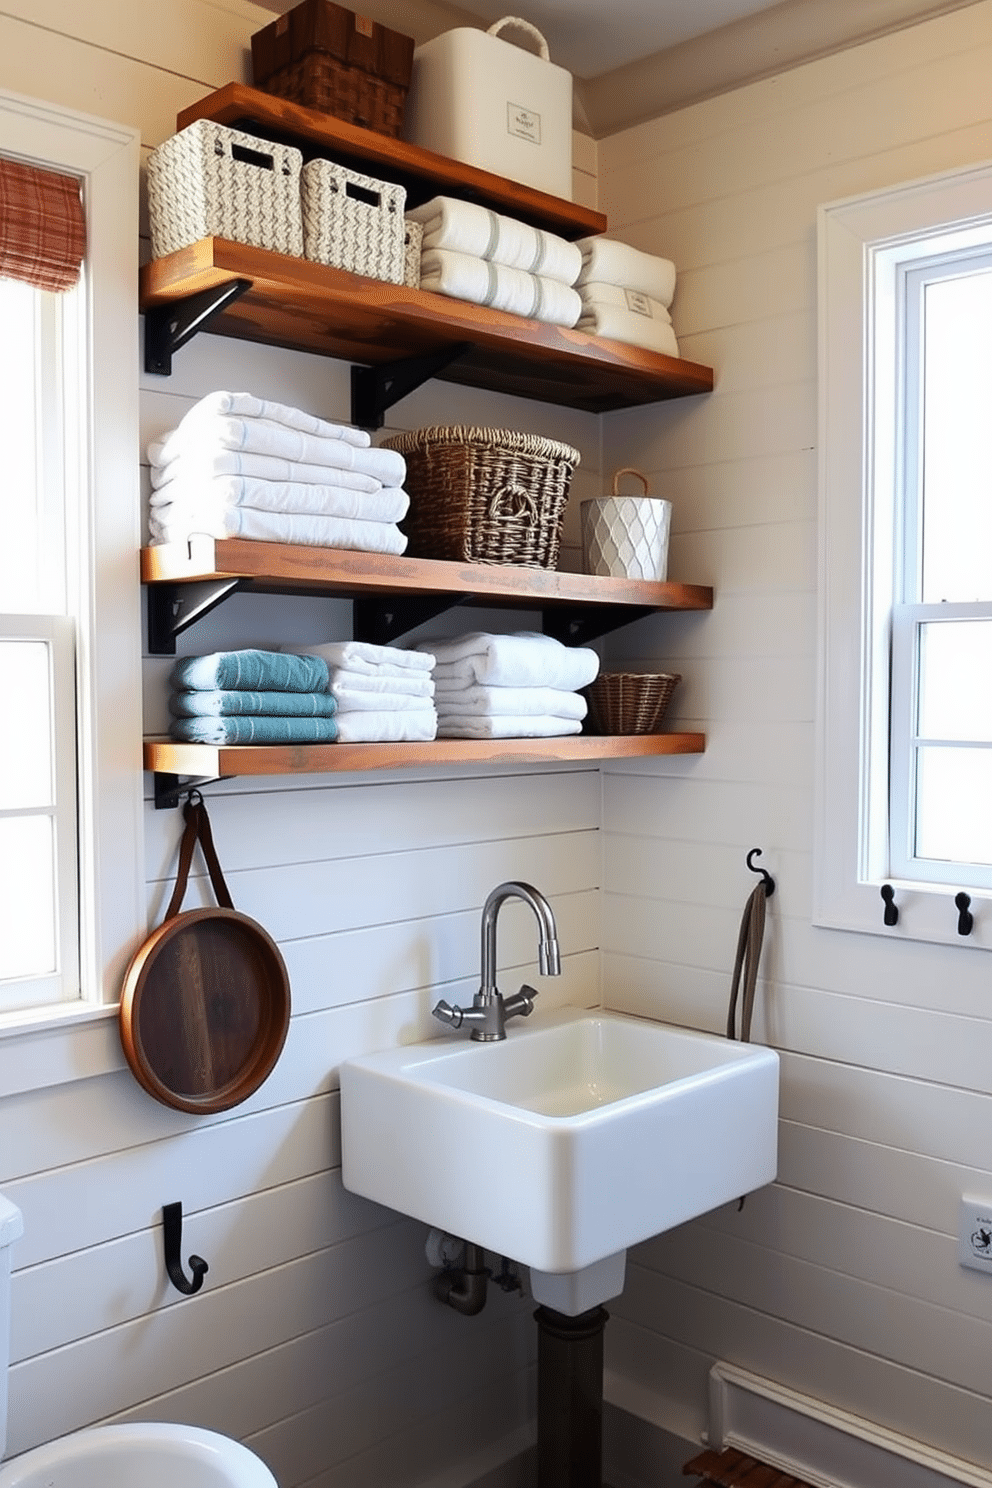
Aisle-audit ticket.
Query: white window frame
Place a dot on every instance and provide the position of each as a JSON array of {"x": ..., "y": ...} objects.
[
  {"x": 69, "y": 1040},
  {"x": 866, "y": 243}
]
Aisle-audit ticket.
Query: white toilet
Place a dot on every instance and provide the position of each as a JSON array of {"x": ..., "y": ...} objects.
[{"x": 150, "y": 1454}]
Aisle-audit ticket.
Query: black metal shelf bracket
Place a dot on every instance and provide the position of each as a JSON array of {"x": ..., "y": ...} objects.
[
  {"x": 374, "y": 390},
  {"x": 384, "y": 620},
  {"x": 168, "y": 327},
  {"x": 172, "y": 608},
  {"x": 169, "y": 790},
  {"x": 579, "y": 626}
]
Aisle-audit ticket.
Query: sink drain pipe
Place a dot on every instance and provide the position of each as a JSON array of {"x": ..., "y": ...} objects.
[
  {"x": 570, "y": 1398},
  {"x": 464, "y": 1287}
]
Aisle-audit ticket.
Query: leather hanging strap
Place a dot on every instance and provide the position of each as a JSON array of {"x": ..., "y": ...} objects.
[
  {"x": 746, "y": 963},
  {"x": 197, "y": 828}
]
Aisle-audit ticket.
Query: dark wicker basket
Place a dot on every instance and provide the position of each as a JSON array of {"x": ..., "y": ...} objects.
[
  {"x": 327, "y": 58},
  {"x": 630, "y": 702},
  {"x": 322, "y": 82},
  {"x": 485, "y": 495}
]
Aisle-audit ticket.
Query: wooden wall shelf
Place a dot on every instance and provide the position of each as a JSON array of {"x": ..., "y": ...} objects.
[
  {"x": 311, "y": 307},
  {"x": 184, "y": 581},
  {"x": 423, "y": 173}
]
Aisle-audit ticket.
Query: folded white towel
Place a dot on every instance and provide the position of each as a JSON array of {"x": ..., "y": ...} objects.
[
  {"x": 200, "y": 465},
  {"x": 386, "y": 726},
  {"x": 597, "y": 293},
  {"x": 493, "y": 702},
  {"x": 176, "y": 525},
  {"x": 354, "y": 700},
  {"x": 507, "y": 726},
  {"x": 466, "y": 227},
  {"x": 385, "y": 504},
  {"x": 258, "y": 437},
  {"x": 387, "y": 679},
  {"x": 462, "y": 277},
  {"x": 365, "y": 656},
  {"x": 521, "y": 659},
  {"x": 604, "y": 260},
  {"x": 246, "y": 405},
  {"x": 626, "y": 326}
]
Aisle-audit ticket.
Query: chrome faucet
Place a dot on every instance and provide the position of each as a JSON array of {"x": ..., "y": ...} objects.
[{"x": 489, "y": 1011}]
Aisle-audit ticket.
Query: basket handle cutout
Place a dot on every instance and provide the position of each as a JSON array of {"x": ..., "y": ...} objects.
[
  {"x": 512, "y": 502},
  {"x": 362, "y": 194},
  {"x": 629, "y": 470},
  {"x": 521, "y": 25},
  {"x": 252, "y": 157}
]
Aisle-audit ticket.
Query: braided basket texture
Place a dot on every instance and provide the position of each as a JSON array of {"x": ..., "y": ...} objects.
[
  {"x": 354, "y": 222},
  {"x": 630, "y": 702},
  {"x": 485, "y": 495},
  {"x": 209, "y": 181},
  {"x": 322, "y": 82}
]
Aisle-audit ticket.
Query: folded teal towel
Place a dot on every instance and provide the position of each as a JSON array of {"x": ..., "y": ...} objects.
[
  {"x": 251, "y": 671},
  {"x": 212, "y": 703},
  {"x": 254, "y": 730}
]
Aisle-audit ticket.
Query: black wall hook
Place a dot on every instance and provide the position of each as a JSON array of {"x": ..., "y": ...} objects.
[
  {"x": 172, "y": 1225},
  {"x": 766, "y": 878},
  {"x": 966, "y": 919},
  {"x": 891, "y": 914}
]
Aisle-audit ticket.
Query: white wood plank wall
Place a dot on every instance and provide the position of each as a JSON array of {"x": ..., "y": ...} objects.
[
  {"x": 315, "y": 1338},
  {"x": 841, "y": 1280}
]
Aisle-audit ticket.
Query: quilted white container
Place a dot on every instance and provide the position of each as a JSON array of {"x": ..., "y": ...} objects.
[
  {"x": 494, "y": 105},
  {"x": 209, "y": 181},
  {"x": 626, "y": 537},
  {"x": 353, "y": 222}
]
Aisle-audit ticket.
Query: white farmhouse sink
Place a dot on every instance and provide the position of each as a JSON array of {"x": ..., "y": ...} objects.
[{"x": 579, "y": 1135}]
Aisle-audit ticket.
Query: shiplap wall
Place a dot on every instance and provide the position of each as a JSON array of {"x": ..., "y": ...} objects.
[
  {"x": 842, "y": 1279},
  {"x": 315, "y": 1338}
]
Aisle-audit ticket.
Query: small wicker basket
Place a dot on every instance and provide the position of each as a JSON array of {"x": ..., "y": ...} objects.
[
  {"x": 485, "y": 495},
  {"x": 630, "y": 702},
  {"x": 353, "y": 222}
]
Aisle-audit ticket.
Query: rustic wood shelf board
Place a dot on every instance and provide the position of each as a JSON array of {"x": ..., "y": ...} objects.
[
  {"x": 279, "y": 568},
  {"x": 311, "y": 307},
  {"x": 423, "y": 173},
  {"x": 209, "y": 762}
]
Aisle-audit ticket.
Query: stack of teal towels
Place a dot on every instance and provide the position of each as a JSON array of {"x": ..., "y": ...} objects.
[{"x": 252, "y": 697}]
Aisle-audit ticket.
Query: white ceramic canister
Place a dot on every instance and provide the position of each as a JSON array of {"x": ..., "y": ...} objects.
[{"x": 626, "y": 537}]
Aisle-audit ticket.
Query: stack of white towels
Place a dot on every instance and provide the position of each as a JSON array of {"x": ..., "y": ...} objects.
[
  {"x": 626, "y": 295},
  {"x": 241, "y": 466},
  {"x": 471, "y": 253},
  {"x": 518, "y": 686},
  {"x": 382, "y": 694}
]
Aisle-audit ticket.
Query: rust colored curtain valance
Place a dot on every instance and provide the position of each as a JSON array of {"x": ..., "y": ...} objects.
[{"x": 42, "y": 226}]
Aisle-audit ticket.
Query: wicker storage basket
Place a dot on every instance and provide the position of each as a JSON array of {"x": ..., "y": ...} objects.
[
  {"x": 413, "y": 242},
  {"x": 209, "y": 181},
  {"x": 630, "y": 702},
  {"x": 485, "y": 495},
  {"x": 353, "y": 221},
  {"x": 328, "y": 58}
]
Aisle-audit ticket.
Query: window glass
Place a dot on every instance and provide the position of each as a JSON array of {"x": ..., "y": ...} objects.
[{"x": 957, "y": 439}]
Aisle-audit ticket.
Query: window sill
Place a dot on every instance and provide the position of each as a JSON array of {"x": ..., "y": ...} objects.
[{"x": 54, "y": 1046}]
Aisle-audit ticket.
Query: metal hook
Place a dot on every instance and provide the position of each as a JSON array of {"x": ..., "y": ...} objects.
[
  {"x": 891, "y": 914},
  {"x": 966, "y": 919},
  {"x": 766, "y": 878},
  {"x": 172, "y": 1225}
]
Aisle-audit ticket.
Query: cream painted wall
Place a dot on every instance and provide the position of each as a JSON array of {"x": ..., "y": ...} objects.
[{"x": 841, "y": 1280}]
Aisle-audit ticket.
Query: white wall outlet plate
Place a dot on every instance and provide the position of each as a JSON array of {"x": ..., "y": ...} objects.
[{"x": 975, "y": 1233}]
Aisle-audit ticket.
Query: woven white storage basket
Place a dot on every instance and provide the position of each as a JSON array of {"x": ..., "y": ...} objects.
[
  {"x": 209, "y": 181},
  {"x": 413, "y": 240},
  {"x": 353, "y": 222}
]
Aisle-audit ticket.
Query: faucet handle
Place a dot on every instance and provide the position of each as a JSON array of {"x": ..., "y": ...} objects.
[
  {"x": 445, "y": 1013},
  {"x": 521, "y": 1004}
]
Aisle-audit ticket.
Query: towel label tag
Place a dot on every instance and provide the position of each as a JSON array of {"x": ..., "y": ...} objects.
[
  {"x": 639, "y": 303},
  {"x": 523, "y": 123}
]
